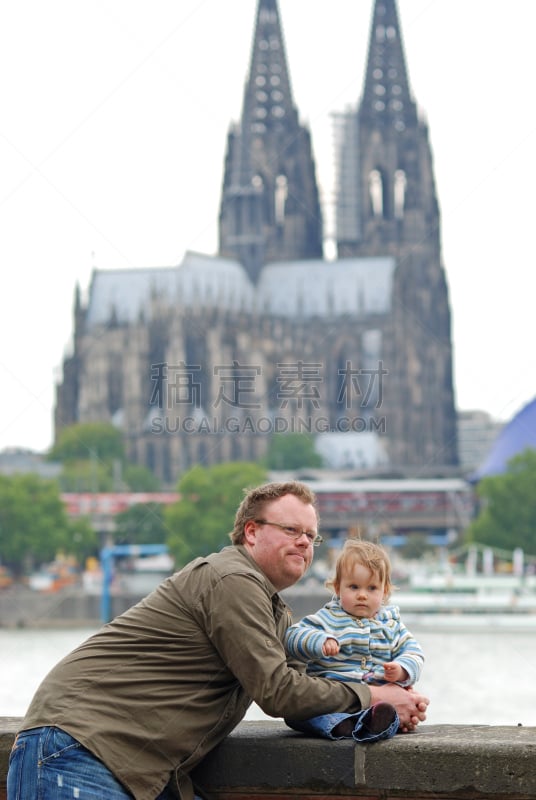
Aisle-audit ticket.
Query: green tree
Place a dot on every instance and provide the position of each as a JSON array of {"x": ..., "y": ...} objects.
[
  {"x": 88, "y": 440},
  {"x": 34, "y": 525},
  {"x": 140, "y": 479},
  {"x": 507, "y": 518},
  {"x": 292, "y": 451},
  {"x": 86, "y": 476},
  {"x": 93, "y": 458},
  {"x": 201, "y": 520},
  {"x": 83, "y": 540},
  {"x": 141, "y": 524}
]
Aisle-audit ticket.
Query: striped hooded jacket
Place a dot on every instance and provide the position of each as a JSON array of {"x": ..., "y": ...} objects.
[{"x": 365, "y": 644}]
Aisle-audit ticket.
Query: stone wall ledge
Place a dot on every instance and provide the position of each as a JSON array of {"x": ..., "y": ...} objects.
[{"x": 266, "y": 760}]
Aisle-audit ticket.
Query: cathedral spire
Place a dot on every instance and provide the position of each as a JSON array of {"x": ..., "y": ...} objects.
[
  {"x": 270, "y": 209},
  {"x": 386, "y": 94},
  {"x": 387, "y": 206},
  {"x": 386, "y": 194},
  {"x": 268, "y": 96}
]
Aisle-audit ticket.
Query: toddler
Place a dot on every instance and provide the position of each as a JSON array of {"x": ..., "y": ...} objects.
[{"x": 357, "y": 637}]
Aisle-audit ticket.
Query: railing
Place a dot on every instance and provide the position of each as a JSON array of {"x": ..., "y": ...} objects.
[{"x": 268, "y": 761}]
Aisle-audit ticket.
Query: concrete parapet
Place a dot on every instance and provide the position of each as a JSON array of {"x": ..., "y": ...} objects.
[{"x": 266, "y": 760}]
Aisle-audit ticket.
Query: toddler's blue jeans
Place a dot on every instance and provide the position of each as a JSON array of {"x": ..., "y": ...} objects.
[{"x": 324, "y": 725}]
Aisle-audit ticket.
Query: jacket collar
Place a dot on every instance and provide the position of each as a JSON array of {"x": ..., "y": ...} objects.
[{"x": 244, "y": 552}]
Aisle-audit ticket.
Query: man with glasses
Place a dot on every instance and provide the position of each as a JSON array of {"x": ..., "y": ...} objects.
[{"x": 131, "y": 711}]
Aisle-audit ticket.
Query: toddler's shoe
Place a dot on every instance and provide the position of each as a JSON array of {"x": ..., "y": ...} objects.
[
  {"x": 381, "y": 717},
  {"x": 380, "y": 721}
]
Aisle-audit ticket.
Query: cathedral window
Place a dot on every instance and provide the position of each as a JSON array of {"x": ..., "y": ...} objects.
[
  {"x": 280, "y": 198},
  {"x": 267, "y": 15},
  {"x": 236, "y": 452},
  {"x": 150, "y": 460},
  {"x": 399, "y": 192},
  {"x": 166, "y": 466},
  {"x": 376, "y": 192},
  {"x": 115, "y": 385}
]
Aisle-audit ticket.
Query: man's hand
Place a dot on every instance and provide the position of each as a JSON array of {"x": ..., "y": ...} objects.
[{"x": 410, "y": 705}]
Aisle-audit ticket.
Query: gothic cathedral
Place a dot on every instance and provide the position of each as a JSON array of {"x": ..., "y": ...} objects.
[{"x": 205, "y": 361}]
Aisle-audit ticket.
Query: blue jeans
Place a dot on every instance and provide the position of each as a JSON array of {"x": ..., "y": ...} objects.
[
  {"x": 325, "y": 723},
  {"x": 48, "y": 764}
]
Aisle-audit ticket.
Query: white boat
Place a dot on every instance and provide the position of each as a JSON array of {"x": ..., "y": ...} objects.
[
  {"x": 466, "y": 621},
  {"x": 450, "y": 592},
  {"x": 144, "y": 574}
]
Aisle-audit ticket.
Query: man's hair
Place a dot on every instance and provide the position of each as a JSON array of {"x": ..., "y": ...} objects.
[
  {"x": 253, "y": 504},
  {"x": 372, "y": 556}
]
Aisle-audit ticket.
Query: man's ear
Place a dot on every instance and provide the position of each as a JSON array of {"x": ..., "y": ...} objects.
[{"x": 250, "y": 529}]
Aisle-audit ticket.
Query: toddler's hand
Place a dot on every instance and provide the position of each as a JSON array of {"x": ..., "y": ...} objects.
[
  {"x": 330, "y": 647},
  {"x": 394, "y": 672}
]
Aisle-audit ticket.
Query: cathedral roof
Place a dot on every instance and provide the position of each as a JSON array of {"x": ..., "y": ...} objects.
[
  {"x": 298, "y": 289},
  {"x": 325, "y": 288},
  {"x": 126, "y": 294}
]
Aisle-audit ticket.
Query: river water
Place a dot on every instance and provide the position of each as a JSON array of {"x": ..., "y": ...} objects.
[{"x": 473, "y": 675}]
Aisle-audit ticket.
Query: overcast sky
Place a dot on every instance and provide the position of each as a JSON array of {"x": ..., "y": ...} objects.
[{"x": 113, "y": 123}]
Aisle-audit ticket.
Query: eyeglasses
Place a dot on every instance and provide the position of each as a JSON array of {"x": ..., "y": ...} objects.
[{"x": 313, "y": 537}]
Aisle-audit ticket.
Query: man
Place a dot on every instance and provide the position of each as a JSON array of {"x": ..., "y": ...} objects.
[{"x": 131, "y": 711}]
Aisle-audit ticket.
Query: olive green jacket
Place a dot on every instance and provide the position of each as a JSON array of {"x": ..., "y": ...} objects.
[{"x": 157, "y": 688}]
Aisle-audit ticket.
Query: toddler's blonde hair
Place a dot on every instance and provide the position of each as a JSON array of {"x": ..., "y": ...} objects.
[{"x": 372, "y": 556}]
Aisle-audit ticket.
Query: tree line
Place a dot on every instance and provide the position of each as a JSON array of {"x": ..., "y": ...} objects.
[{"x": 34, "y": 525}]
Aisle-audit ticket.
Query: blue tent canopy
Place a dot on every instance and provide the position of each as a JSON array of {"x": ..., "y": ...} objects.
[{"x": 516, "y": 436}]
